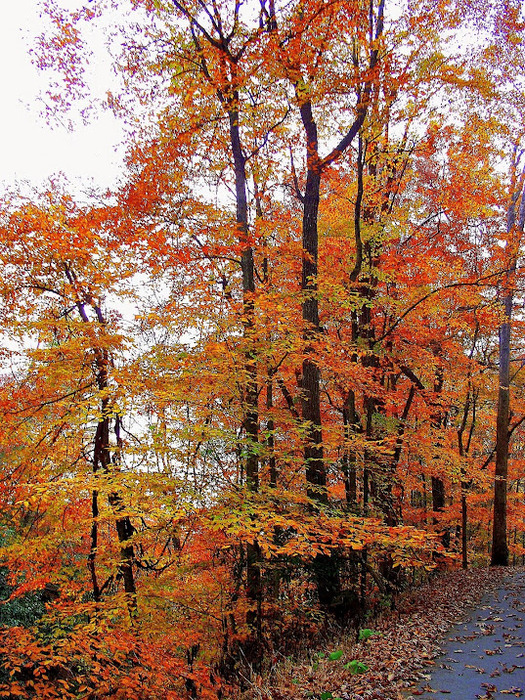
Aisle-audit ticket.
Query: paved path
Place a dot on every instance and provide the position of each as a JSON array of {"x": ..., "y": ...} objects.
[{"x": 484, "y": 657}]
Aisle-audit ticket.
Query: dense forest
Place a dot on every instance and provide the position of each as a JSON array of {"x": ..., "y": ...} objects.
[{"x": 275, "y": 376}]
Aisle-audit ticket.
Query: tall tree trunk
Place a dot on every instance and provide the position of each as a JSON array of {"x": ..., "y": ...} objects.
[
  {"x": 311, "y": 375},
  {"x": 325, "y": 568},
  {"x": 125, "y": 529},
  {"x": 464, "y": 449},
  {"x": 227, "y": 92},
  {"x": 438, "y": 420},
  {"x": 102, "y": 460},
  {"x": 251, "y": 393},
  {"x": 500, "y": 550}
]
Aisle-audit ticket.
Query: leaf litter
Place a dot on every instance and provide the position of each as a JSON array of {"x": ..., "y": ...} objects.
[{"x": 399, "y": 657}]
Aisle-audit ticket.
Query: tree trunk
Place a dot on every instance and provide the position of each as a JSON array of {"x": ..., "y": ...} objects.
[
  {"x": 326, "y": 568},
  {"x": 500, "y": 550},
  {"x": 311, "y": 376},
  {"x": 464, "y": 523},
  {"x": 251, "y": 412},
  {"x": 102, "y": 451}
]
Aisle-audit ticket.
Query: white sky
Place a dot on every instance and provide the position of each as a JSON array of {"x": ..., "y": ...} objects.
[{"x": 29, "y": 148}]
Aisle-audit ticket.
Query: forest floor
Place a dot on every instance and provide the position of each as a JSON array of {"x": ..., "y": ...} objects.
[
  {"x": 483, "y": 657},
  {"x": 401, "y": 657}
]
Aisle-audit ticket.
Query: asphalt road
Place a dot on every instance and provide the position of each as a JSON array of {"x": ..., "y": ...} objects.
[{"x": 484, "y": 657}]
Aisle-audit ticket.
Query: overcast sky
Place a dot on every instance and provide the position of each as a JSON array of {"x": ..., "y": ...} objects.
[{"x": 29, "y": 148}]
